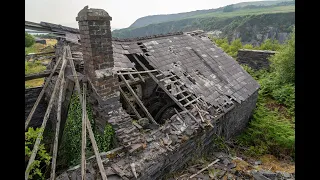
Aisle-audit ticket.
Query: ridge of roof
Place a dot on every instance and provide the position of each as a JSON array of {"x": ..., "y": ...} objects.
[{"x": 146, "y": 37}]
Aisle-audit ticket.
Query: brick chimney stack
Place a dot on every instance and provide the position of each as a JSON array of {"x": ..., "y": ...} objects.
[{"x": 96, "y": 42}]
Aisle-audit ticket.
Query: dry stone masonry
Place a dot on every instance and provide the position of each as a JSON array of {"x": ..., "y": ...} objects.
[{"x": 256, "y": 59}]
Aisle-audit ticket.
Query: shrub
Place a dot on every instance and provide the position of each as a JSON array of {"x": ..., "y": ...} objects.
[
  {"x": 268, "y": 133},
  {"x": 71, "y": 150},
  {"x": 283, "y": 62},
  {"x": 29, "y": 40},
  {"x": 268, "y": 44},
  {"x": 42, "y": 158}
]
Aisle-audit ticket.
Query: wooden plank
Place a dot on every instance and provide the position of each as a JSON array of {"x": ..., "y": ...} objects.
[
  {"x": 136, "y": 72},
  {"x": 91, "y": 135},
  {"x": 56, "y": 137},
  {"x": 37, "y": 75},
  {"x": 141, "y": 78},
  {"x": 209, "y": 165},
  {"x": 180, "y": 117},
  {"x": 128, "y": 101},
  {"x": 190, "y": 102},
  {"x": 179, "y": 92},
  {"x": 169, "y": 77},
  {"x": 41, "y": 94},
  {"x": 83, "y": 138},
  {"x": 138, "y": 100},
  {"x": 45, "y": 119},
  {"x": 165, "y": 89},
  {"x": 185, "y": 97},
  {"x": 37, "y": 54}
]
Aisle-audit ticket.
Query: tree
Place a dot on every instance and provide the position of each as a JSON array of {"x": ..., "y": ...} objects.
[
  {"x": 29, "y": 40},
  {"x": 272, "y": 45},
  {"x": 228, "y": 8},
  {"x": 283, "y": 62}
]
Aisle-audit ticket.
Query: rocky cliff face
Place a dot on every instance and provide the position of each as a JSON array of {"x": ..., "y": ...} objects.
[
  {"x": 253, "y": 29},
  {"x": 258, "y": 29}
]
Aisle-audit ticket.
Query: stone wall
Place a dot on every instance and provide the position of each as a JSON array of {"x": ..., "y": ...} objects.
[
  {"x": 255, "y": 59},
  {"x": 156, "y": 160},
  {"x": 30, "y": 96}
]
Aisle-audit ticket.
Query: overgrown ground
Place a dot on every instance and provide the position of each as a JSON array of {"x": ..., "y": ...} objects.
[
  {"x": 36, "y": 66},
  {"x": 271, "y": 131}
]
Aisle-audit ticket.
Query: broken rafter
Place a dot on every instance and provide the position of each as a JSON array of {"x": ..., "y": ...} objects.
[
  {"x": 41, "y": 94},
  {"x": 83, "y": 140},
  {"x": 37, "y": 75},
  {"x": 139, "y": 74},
  {"x": 209, "y": 165},
  {"x": 137, "y": 99},
  {"x": 136, "y": 72},
  {"x": 91, "y": 135},
  {"x": 165, "y": 89},
  {"x": 128, "y": 101},
  {"x": 55, "y": 145},
  {"x": 46, "y": 117}
]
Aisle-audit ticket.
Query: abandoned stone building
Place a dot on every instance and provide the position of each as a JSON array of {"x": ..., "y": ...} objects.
[{"x": 180, "y": 88}]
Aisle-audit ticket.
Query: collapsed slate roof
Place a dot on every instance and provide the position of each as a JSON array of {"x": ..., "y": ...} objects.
[{"x": 205, "y": 69}]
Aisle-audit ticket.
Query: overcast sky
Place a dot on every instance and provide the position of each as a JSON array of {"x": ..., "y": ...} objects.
[{"x": 123, "y": 12}]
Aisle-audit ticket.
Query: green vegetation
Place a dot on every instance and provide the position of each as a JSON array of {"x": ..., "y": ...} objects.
[
  {"x": 245, "y": 7},
  {"x": 244, "y": 12},
  {"x": 228, "y": 8},
  {"x": 70, "y": 152},
  {"x": 29, "y": 40},
  {"x": 249, "y": 20},
  {"x": 33, "y": 67},
  {"x": 232, "y": 48},
  {"x": 271, "y": 130},
  {"x": 42, "y": 158}
]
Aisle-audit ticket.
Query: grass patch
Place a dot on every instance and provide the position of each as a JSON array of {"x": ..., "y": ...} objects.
[
  {"x": 38, "y": 48},
  {"x": 34, "y": 67},
  {"x": 244, "y": 12},
  {"x": 34, "y": 83}
]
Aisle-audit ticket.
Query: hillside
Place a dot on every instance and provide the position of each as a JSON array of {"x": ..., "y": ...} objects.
[
  {"x": 252, "y": 23},
  {"x": 143, "y": 21},
  {"x": 252, "y": 29}
]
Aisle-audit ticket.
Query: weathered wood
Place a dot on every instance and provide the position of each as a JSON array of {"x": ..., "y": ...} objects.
[
  {"x": 190, "y": 102},
  {"x": 180, "y": 117},
  {"x": 138, "y": 100},
  {"x": 41, "y": 94},
  {"x": 37, "y": 75},
  {"x": 128, "y": 102},
  {"x": 136, "y": 72},
  {"x": 83, "y": 140},
  {"x": 209, "y": 165},
  {"x": 42, "y": 53},
  {"x": 164, "y": 89},
  {"x": 91, "y": 135},
  {"x": 46, "y": 117},
  {"x": 56, "y": 137},
  {"x": 185, "y": 97},
  {"x": 139, "y": 74}
]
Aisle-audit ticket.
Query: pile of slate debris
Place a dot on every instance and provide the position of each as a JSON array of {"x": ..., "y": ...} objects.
[{"x": 225, "y": 167}]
